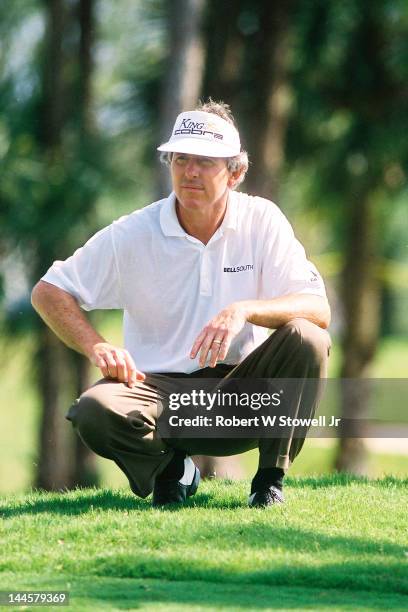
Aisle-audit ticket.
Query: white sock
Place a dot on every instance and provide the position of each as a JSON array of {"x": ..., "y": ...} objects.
[{"x": 189, "y": 471}]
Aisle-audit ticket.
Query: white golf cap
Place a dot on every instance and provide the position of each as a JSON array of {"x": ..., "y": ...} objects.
[{"x": 200, "y": 133}]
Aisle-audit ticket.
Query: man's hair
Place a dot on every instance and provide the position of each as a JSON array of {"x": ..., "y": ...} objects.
[
  {"x": 220, "y": 108},
  {"x": 234, "y": 164}
]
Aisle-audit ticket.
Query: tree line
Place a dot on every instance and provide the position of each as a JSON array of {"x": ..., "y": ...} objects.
[{"x": 91, "y": 86}]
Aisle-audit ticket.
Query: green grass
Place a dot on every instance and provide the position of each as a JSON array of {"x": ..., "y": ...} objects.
[{"x": 339, "y": 543}]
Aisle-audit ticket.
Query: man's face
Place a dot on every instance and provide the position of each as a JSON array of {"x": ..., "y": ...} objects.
[{"x": 199, "y": 181}]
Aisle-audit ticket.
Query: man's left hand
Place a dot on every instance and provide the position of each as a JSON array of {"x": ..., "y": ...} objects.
[{"x": 218, "y": 334}]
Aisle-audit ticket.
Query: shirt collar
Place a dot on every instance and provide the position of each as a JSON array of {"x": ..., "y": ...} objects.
[
  {"x": 168, "y": 218},
  {"x": 170, "y": 224}
]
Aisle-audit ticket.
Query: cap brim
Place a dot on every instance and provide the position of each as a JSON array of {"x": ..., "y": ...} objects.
[{"x": 197, "y": 146}]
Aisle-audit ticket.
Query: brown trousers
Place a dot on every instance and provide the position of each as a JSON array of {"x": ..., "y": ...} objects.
[{"x": 119, "y": 423}]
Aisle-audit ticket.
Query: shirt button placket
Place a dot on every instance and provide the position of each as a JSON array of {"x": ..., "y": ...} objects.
[{"x": 205, "y": 274}]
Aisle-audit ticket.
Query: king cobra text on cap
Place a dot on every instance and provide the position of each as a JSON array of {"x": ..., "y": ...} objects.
[{"x": 200, "y": 133}]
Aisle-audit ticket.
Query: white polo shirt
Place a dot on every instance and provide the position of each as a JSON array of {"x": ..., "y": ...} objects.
[{"x": 170, "y": 285}]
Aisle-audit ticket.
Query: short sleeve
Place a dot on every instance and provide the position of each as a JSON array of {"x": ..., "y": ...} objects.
[
  {"x": 285, "y": 267},
  {"x": 90, "y": 274}
]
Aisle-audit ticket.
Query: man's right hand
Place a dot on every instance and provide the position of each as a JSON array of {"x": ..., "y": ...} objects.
[
  {"x": 115, "y": 362},
  {"x": 61, "y": 312}
]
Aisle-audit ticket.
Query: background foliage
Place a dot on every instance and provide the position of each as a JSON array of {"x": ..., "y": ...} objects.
[{"x": 319, "y": 90}]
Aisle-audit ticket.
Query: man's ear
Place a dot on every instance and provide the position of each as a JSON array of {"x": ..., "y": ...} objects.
[{"x": 234, "y": 178}]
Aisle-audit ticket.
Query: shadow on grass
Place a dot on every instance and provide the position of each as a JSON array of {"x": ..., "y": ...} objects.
[
  {"x": 75, "y": 502},
  {"x": 107, "y": 500},
  {"x": 271, "y": 555},
  {"x": 88, "y": 500},
  {"x": 269, "y": 537},
  {"x": 130, "y": 594},
  {"x": 381, "y": 565}
]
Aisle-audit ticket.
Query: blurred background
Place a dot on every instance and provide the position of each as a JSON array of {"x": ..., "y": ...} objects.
[{"x": 89, "y": 88}]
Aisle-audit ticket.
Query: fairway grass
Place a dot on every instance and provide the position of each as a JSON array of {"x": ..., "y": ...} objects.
[{"x": 339, "y": 543}]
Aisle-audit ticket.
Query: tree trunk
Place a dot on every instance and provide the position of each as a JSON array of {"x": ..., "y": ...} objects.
[
  {"x": 84, "y": 471},
  {"x": 52, "y": 373},
  {"x": 269, "y": 103},
  {"x": 225, "y": 45},
  {"x": 53, "y": 77},
  {"x": 184, "y": 70},
  {"x": 51, "y": 359},
  {"x": 361, "y": 300},
  {"x": 66, "y": 95},
  {"x": 86, "y": 20}
]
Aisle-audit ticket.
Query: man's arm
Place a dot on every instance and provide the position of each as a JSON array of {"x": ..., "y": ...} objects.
[
  {"x": 279, "y": 311},
  {"x": 218, "y": 334},
  {"x": 61, "y": 312}
]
